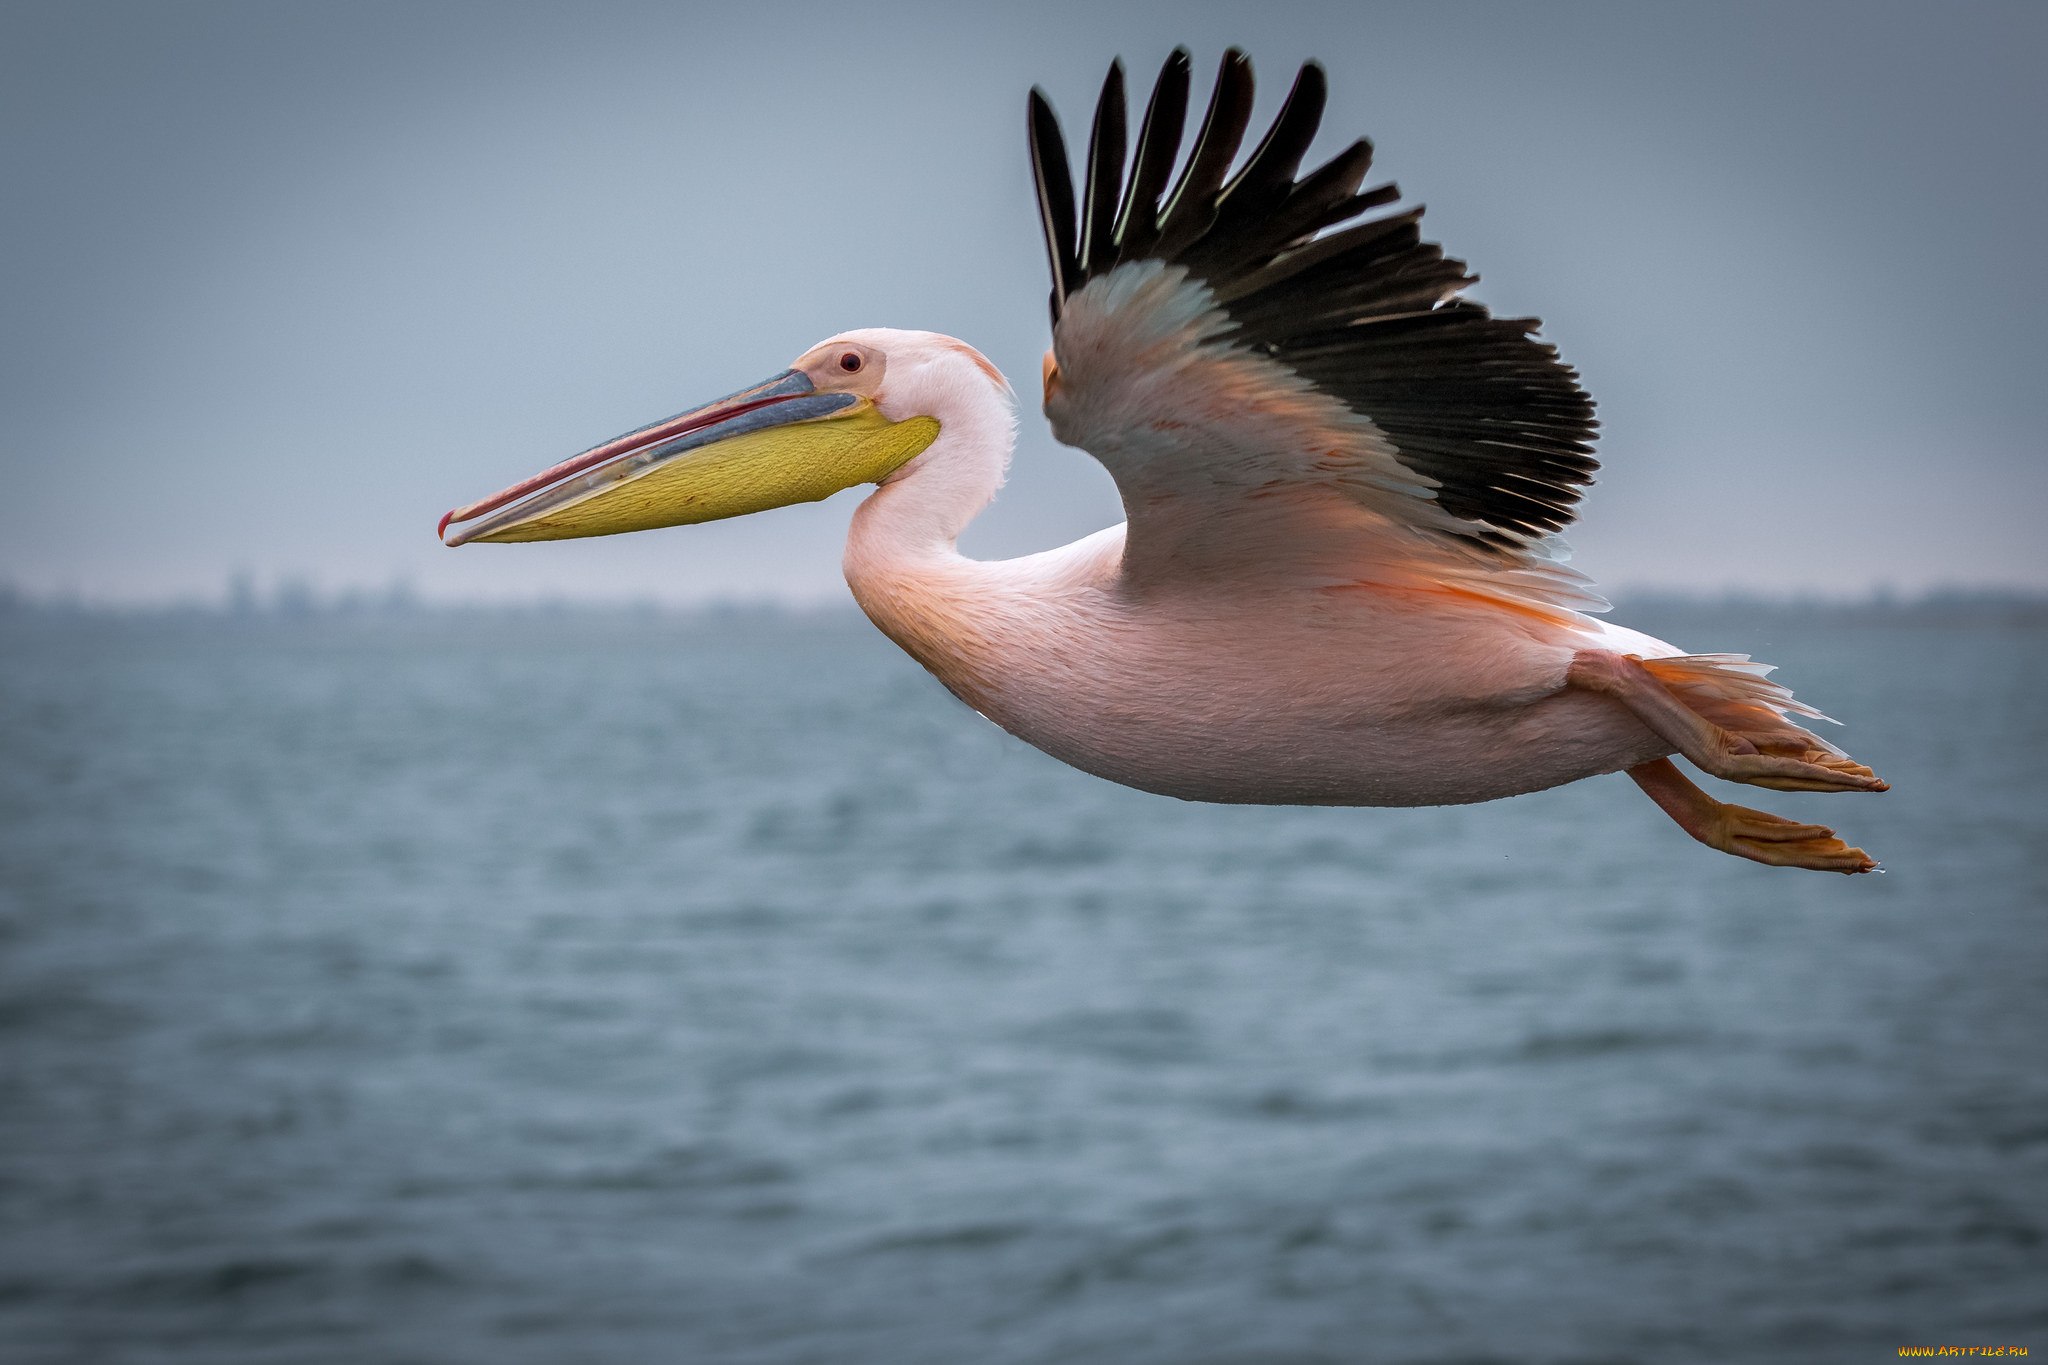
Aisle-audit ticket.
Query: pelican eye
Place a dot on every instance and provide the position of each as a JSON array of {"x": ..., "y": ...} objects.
[{"x": 850, "y": 362}]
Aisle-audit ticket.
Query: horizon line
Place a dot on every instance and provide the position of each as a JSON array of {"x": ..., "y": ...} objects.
[{"x": 298, "y": 598}]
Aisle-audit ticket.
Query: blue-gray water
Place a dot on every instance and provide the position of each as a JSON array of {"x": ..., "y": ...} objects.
[{"x": 600, "y": 989}]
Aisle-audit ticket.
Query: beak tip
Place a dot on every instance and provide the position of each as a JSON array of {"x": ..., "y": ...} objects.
[{"x": 441, "y": 531}]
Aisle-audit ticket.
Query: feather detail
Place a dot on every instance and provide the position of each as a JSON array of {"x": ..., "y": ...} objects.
[{"x": 1490, "y": 431}]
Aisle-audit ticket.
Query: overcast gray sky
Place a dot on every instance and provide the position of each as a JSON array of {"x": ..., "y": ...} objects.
[{"x": 282, "y": 283}]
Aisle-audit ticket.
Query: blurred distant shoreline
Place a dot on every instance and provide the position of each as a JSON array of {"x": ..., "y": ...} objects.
[{"x": 296, "y": 601}]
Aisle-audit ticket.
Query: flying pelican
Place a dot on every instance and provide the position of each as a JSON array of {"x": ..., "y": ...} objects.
[{"x": 1339, "y": 580}]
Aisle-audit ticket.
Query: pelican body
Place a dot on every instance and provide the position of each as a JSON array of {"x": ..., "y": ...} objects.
[{"x": 1339, "y": 580}]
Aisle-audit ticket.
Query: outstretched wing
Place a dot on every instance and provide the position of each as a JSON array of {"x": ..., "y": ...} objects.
[{"x": 1274, "y": 376}]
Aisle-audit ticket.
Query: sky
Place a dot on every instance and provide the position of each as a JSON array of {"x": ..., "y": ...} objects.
[{"x": 282, "y": 283}]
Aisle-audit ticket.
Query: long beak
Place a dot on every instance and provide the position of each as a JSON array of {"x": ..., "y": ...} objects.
[{"x": 584, "y": 496}]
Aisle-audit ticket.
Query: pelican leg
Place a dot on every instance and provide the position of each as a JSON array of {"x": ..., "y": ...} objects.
[
  {"x": 1795, "y": 766},
  {"x": 1753, "y": 834}
]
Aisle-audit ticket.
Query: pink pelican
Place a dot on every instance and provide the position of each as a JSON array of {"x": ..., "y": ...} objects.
[{"x": 1339, "y": 580}]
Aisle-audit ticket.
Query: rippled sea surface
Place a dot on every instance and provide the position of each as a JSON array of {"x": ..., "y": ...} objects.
[{"x": 598, "y": 988}]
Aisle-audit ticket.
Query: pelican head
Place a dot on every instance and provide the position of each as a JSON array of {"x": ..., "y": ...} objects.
[{"x": 851, "y": 410}]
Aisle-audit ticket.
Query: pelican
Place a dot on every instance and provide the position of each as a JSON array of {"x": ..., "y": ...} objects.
[{"x": 1339, "y": 579}]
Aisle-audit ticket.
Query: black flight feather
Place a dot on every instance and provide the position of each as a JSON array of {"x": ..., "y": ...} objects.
[
  {"x": 1166, "y": 118},
  {"x": 1055, "y": 184},
  {"x": 1188, "y": 212},
  {"x": 1365, "y": 310},
  {"x": 1105, "y": 175}
]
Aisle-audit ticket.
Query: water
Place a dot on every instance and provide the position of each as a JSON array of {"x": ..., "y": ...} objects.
[{"x": 565, "y": 989}]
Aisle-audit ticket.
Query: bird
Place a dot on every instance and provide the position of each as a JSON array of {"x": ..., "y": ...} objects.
[{"x": 1340, "y": 578}]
